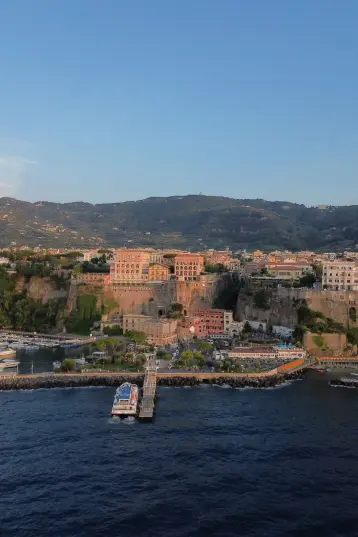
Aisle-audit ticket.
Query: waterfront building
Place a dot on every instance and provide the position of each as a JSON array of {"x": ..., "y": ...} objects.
[
  {"x": 266, "y": 352},
  {"x": 158, "y": 331},
  {"x": 340, "y": 275},
  {"x": 188, "y": 266},
  {"x": 192, "y": 326},
  {"x": 216, "y": 320},
  {"x": 129, "y": 266}
]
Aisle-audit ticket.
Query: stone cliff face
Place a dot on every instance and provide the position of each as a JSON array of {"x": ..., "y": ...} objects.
[
  {"x": 154, "y": 298},
  {"x": 282, "y": 302},
  {"x": 41, "y": 289},
  {"x": 340, "y": 306},
  {"x": 281, "y": 310}
]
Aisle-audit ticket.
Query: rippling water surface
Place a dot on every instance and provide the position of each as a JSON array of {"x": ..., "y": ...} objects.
[{"x": 223, "y": 462}]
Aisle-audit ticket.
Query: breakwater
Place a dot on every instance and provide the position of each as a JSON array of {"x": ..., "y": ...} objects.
[{"x": 32, "y": 382}]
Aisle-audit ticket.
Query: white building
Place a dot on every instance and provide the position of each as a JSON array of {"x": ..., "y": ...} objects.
[
  {"x": 228, "y": 320},
  {"x": 235, "y": 328},
  {"x": 282, "y": 331},
  {"x": 340, "y": 276},
  {"x": 266, "y": 352}
]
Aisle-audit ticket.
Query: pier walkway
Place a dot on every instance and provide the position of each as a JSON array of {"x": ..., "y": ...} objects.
[{"x": 147, "y": 404}]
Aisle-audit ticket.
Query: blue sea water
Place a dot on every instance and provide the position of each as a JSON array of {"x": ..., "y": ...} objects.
[{"x": 215, "y": 462}]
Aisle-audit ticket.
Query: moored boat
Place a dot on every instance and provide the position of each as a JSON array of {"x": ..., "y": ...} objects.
[
  {"x": 125, "y": 400},
  {"x": 8, "y": 367},
  {"x": 6, "y": 351}
]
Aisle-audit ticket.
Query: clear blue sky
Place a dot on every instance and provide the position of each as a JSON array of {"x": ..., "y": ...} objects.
[{"x": 113, "y": 100}]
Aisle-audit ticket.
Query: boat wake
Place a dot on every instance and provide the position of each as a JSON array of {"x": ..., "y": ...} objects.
[{"x": 116, "y": 420}]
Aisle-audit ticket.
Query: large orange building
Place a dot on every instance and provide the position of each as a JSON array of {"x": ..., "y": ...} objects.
[
  {"x": 188, "y": 266},
  {"x": 129, "y": 266},
  {"x": 216, "y": 320},
  {"x": 192, "y": 326},
  {"x": 158, "y": 272},
  {"x": 158, "y": 331}
]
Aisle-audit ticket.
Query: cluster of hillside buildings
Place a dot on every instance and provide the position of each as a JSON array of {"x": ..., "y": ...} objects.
[
  {"x": 134, "y": 267},
  {"x": 213, "y": 323}
]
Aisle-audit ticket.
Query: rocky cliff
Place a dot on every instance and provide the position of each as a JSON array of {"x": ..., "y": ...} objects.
[
  {"x": 41, "y": 289},
  {"x": 152, "y": 298},
  {"x": 282, "y": 305}
]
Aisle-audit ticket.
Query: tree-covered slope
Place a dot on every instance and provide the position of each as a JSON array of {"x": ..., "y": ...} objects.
[{"x": 183, "y": 221}]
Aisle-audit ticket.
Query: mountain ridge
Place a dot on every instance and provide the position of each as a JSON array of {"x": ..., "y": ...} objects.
[{"x": 194, "y": 221}]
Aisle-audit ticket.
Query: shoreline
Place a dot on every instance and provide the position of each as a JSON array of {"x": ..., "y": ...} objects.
[{"x": 18, "y": 383}]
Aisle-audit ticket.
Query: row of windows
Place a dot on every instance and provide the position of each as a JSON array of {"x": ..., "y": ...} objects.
[
  {"x": 342, "y": 274},
  {"x": 187, "y": 263},
  {"x": 339, "y": 267},
  {"x": 127, "y": 265}
]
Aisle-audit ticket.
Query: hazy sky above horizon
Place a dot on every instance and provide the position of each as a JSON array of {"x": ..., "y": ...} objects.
[{"x": 117, "y": 100}]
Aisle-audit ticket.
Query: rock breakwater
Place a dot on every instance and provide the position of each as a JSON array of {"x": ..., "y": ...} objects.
[{"x": 78, "y": 381}]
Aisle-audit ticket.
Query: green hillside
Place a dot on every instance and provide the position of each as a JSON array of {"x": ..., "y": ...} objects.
[{"x": 179, "y": 221}]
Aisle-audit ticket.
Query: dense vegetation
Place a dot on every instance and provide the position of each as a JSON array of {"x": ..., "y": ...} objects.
[
  {"x": 21, "y": 312},
  {"x": 180, "y": 221},
  {"x": 86, "y": 313}
]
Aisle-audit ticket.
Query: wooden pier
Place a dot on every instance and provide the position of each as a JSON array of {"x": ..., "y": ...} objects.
[{"x": 147, "y": 405}]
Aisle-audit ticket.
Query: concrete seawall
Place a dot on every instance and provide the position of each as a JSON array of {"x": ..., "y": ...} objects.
[{"x": 31, "y": 382}]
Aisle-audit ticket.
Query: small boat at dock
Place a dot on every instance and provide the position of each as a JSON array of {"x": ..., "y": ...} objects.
[
  {"x": 5, "y": 352},
  {"x": 125, "y": 400},
  {"x": 9, "y": 367}
]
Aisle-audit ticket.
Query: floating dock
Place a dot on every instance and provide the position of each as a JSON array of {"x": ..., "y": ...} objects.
[{"x": 147, "y": 405}]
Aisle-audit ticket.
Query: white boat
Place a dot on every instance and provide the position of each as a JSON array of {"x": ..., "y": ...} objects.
[
  {"x": 9, "y": 367},
  {"x": 81, "y": 360},
  {"x": 31, "y": 348},
  {"x": 6, "y": 351},
  {"x": 125, "y": 400}
]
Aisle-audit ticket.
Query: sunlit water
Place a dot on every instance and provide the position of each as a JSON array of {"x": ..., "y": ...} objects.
[{"x": 223, "y": 462}]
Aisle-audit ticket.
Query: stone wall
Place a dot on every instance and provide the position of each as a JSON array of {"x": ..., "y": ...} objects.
[
  {"x": 281, "y": 311},
  {"x": 335, "y": 304},
  {"x": 283, "y": 303},
  {"x": 332, "y": 343}
]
